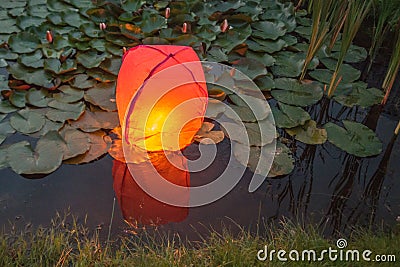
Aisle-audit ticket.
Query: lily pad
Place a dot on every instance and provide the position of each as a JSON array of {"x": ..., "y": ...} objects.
[
  {"x": 289, "y": 116},
  {"x": 38, "y": 98},
  {"x": 24, "y": 42},
  {"x": 101, "y": 76},
  {"x": 264, "y": 58},
  {"x": 76, "y": 143},
  {"x": 265, "y": 83},
  {"x": 56, "y": 66},
  {"x": 111, "y": 65},
  {"x": 250, "y": 67},
  {"x": 206, "y": 136},
  {"x": 99, "y": 145},
  {"x": 292, "y": 92},
  {"x": 90, "y": 59},
  {"x": 17, "y": 98},
  {"x": 102, "y": 95},
  {"x": 266, "y": 46},
  {"x": 268, "y": 29},
  {"x": 5, "y": 130},
  {"x": 45, "y": 158},
  {"x": 348, "y": 73},
  {"x": 7, "y": 107},
  {"x": 93, "y": 121},
  {"x": 234, "y": 37},
  {"x": 357, "y": 94},
  {"x": 68, "y": 94},
  {"x": 289, "y": 64},
  {"x": 64, "y": 111},
  {"x": 214, "y": 108},
  {"x": 82, "y": 81},
  {"x": 308, "y": 133},
  {"x": 39, "y": 77},
  {"x": 356, "y": 138},
  {"x": 26, "y": 121},
  {"x": 283, "y": 163},
  {"x": 32, "y": 60}
]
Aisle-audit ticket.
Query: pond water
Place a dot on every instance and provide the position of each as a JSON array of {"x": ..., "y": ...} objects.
[{"x": 328, "y": 187}]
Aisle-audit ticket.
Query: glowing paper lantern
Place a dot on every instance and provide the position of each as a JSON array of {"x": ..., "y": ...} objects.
[{"x": 161, "y": 96}]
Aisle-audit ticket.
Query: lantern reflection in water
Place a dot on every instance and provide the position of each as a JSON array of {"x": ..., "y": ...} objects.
[{"x": 160, "y": 112}]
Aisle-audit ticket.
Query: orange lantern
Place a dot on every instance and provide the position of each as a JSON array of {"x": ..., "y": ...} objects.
[{"x": 161, "y": 96}]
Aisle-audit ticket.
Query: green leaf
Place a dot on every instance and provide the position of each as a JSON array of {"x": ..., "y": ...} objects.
[
  {"x": 250, "y": 67},
  {"x": 265, "y": 83},
  {"x": 357, "y": 94},
  {"x": 90, "y": 59},
  {"x": 26, "y": 121},
  {"x": 348, "y": 73},
  {"x": 102, "y": 95},
  {"x": 214, "y": 108},
  {"x": 64, "y": 111},
  {"x": 355, "y": 54},
  {"x": 37, "y": 98},
  {"x": 111, "y": 65},
  {"x": 24, "y": 42},
  {"x": 265, "y": 46},
  {"x": 152, "y": 22},
  {"x": 356, "y": 138},
  {"x": 268, "y": 29},
  {"x": 283, "y": 163},
  {"x": 33, "y": 60},
  {"x": 233, "y": 37},
  {"x": 264, "y": 58},
  {"x": 82, "y": 81},
  {"x": 68, "y": 94},
  {"x": 132, "y": 5},
  {"x": 93, "y": 121},
  {"x": 7, "y": 54},
  {"x": 17, "y": 98},
  {"x": 289, "y": 116},
  {"x": 38, "y": 77},
  {"x": 101, "y": 76},
  {"x": 308, "y": 133},
  {"x": 289, "y": 64},
  {"x": 5, "y": 130},
  {"x": 6, "y": 107},
  {"x": 73, "y": 18},
  {"x": 76, "y": 143},
  {"x": 25, "y": 22},
  {"x": 217, "y": 54},
  {"x": 54, "y": 65},
  {"x": 292, "y": 92},
  {"x": 99, "y": 145},
  {"x": 45, "y": 158}
]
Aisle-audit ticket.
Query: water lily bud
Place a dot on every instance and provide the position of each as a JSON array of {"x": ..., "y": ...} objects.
[
  {"x": 102, "y": 26},
  {"x": 184, "y": 27},
  {"x": 49, "y": 37},
  {"x": 167, "y": 12},
  {"x": 123, "y": 50},
  {"x": 224, "y": 26}
]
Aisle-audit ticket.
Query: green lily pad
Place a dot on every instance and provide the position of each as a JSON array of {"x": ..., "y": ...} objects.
[
  {"x": 259, "y": 133},
  {"x": 48, "y": 126},
  {"x": 102, "y": 95},
  {"x": 265, "y": 83},
  {"x": 99, "y": 145},
  {"x": 7, "y": 54},
  {"x": 232, "y": 38},
  {"x": 93, "y": 121},
  {"x": 266, "y": 46},
  {"x": 250, "y": 67},
  {"x": 54, "y": 65},
  {"x": 32, "y": 60},
  {"x": 45, "y": 158},
  {"x": 308, "y": 133},
  {"x": 356, "y": 138},
  {"x": 111, "y": 65},
  {"x": 76, "y": 143},
  {"x": 101, "y": 75},
  {"x": 7, "y": 107},
  {"x": 132, "y": 5},
  {"x": 348, "y": 73},
  {"x": 214, "y": 108},
  {"x": 37, "y": 98},
  {"x": 39, "y": 77},
  {"x": 73, "y": 18},
  {"x": 24, "y": 42},
  {"x": 3, "y": 158},
  {"x": 357, "y": 94},
  {"x": 289, "y": 64},
  {"x": 90, "y": 59},
  {"x": 8, "y": 26},
  {"x": 82, "y": 81},
  {"x": 91, "y": 30},
  {"x": 217, "y": 54},
  {"x": 64, "y": 111},
  {"x": 355, "y": 54},
  {"x": 17, "y": 98},
  {"x": 68, "y": 94},
  {"x": 283, "y": 163},
  {"x": 5, "y": 130},
  {"x": 264, "y": 58},
  {"x": 289, "y": 116},
  {"x": 25, "y": 121},
  {"x": 152, "y": 22},
  {"x": 268, "y": 29},
  {"x": 25, "y": 22},
  {"x": 292, "y": 92}
]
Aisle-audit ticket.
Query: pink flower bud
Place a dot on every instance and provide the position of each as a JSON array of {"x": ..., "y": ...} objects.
[
  {"x": 167, "y": 12},
  {"x": 102, "y": 26},
  {"x": 184, "y": 27},
  {"x": 123, "y": 50},
  {"x": 224, "y": 26},
  {"x": 49, "y": 37}
]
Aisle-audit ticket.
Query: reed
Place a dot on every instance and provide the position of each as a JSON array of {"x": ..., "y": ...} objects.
[
  {"x": 394, "y": 66},
  {"x": 357, "y": 11}
]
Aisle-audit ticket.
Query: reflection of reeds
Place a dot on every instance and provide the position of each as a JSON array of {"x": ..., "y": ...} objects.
[
  {"x": 356, "y": 12},
  {"x": 386, "y": 13},
  {"x": 393, "y": 68}
]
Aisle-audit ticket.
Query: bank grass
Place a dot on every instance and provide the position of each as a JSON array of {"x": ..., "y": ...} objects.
[{"x": 72, "y": 244}]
